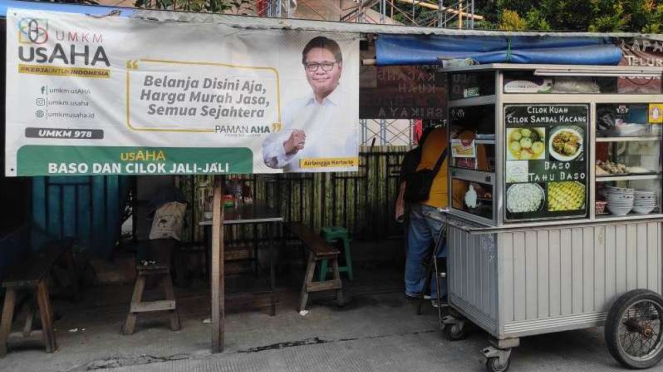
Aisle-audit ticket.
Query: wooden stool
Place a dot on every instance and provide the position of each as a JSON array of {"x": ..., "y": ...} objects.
[
  {"x": 43, "y": 303},
  {"x": 325, "y": 285},
  {"x": 32, "y": 276},
  {"x": 138, "y": 306}
]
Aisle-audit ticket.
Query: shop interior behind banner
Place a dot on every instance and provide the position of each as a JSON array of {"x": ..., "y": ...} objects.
[{"x": 15, "y": 197}]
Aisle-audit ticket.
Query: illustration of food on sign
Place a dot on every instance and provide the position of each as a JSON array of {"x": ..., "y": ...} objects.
[
  {"x": 566, "y": 144},
  {"x": 526, "y": 143},
  {"x": 566, "y": 196},
  {"x": 524, "y": 197}
]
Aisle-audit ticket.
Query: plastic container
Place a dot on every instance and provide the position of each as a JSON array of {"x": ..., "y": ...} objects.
[{"x": 600, "y": 207}]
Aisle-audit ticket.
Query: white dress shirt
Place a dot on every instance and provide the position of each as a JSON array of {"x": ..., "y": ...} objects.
[{"x": 331, "y": 132}]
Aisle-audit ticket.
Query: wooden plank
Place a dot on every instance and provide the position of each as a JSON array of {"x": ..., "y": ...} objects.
[
  {"x": 146, "y": 307},
  {"x": 217, "y": 272},
  {"x": 34, "y": 334},
  {"x": 170, "y": 295},
  {"x": 313, "y": 241},
  {"x": 308, "y": 278},
  {"x": 554, "y": 273},
  {"x": 45, "y": 311},
  {"x": 543, "y": 284},
  {"x": 7, "y": 316},
  {"x": 324, "y": 286},
  {"x": 130, "y": 323}
]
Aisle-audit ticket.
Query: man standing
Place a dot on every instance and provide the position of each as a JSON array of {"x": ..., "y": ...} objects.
[
  {"x": 427, "y": 217},
  {"x": 316, "y": 126}
]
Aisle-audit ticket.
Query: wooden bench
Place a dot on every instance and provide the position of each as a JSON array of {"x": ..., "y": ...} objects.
[
  {"x": 319, "y": 250},
  {"x": 32, "y": 275}
]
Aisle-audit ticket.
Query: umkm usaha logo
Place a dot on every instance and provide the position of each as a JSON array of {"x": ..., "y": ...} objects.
[{"x": 32, "y": 31}]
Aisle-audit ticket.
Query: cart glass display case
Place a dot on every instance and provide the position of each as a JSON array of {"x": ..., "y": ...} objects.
[
  {"x": 628, "y": 159},
  {"x": 549, "y": 144},
  {"x": 472, "y": 144},
  {"x": 549, "y": 81}
]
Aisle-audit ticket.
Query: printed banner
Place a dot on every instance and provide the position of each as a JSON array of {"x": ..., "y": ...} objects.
[{"x": 93, "y": 96}]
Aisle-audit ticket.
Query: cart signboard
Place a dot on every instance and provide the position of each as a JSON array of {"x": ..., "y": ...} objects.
[
  {"x": 546, "y": 161},
  {"x": 402, "y": 92},
  {"x": 111, "y": 95},
  {"x": 640, "y": 52}
]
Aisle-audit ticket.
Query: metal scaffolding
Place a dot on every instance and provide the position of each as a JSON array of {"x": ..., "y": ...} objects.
[{"x": 458, "y": 14}]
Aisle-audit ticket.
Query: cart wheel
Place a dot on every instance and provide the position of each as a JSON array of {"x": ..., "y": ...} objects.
[
  {"x": 634, "y": 329},
  {"x": 455, "y": 332},
  {"x": 493, "y": 364}
]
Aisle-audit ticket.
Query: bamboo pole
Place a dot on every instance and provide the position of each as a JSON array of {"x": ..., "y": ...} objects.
[{"x": 217, "y": 272}]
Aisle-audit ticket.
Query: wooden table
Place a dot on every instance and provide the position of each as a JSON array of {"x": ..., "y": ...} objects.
[{"x": 251, "y": 214}]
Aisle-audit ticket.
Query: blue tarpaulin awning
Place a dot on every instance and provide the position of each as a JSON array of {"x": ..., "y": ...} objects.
[{"x": 429, "y": 49}]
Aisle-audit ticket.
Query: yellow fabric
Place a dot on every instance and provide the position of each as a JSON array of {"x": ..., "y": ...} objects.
[{"x": 435, "y": 144}]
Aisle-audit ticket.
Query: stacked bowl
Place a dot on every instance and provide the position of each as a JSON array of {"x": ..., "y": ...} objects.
[
  {"x": 644, "y": 202},
  {"x": 620, "y": 200}
]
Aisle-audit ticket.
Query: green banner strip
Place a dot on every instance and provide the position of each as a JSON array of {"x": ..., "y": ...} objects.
[{"x": 86, "y": 160}]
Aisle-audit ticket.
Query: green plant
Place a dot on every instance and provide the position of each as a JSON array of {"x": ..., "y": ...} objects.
[
  {"x": 211, "y": 6},
  {"x": 511, "y": 21}
]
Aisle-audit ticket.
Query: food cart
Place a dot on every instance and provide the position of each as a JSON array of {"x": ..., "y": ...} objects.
[{"x": 555, "y": 219}]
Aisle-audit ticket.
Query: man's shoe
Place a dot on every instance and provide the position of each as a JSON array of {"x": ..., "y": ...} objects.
[
  {"x": 412, "y": 295},
  {"x": 443, "y": 302}
]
